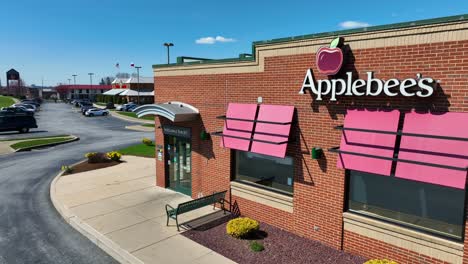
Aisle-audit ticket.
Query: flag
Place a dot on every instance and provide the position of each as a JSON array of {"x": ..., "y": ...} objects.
[
  {"x": 132, "y": 64},
  {"x": 117, "y": 65}
]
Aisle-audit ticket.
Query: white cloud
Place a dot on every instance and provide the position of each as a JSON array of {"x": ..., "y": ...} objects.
[
  {"x": 207, "y": 40},
  {"x": 223, "y": 39},
  {"x": 353, "y": 24},
  {"x": 213, "y": 40}
]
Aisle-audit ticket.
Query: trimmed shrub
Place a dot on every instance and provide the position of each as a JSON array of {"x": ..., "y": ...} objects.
[
  {"x": 242, "y": 227},
  {"x": 97, "y": 157},
  {"x": 147, "y": 141},
  {"x": 256, "y": 246},
  {"x": 114, "y": 155},
  {"x": 380, "y": 261}
]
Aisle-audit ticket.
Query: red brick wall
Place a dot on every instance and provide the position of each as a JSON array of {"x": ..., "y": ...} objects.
[
  {"x": 318, "y": 185},
  {"x": 367, "y": 247}
]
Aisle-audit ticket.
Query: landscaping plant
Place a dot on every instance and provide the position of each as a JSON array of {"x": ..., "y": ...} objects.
[
  {"x": 380, "y": 261},
  {"x": 67, "y": 169},
  {"x": 256, "y": 246},
  {"x": 147, "y": 142},
  {"x": 114, "y": 155},
  {"x": 97, "y": 157},
  {"x": 242, "y": 227}
]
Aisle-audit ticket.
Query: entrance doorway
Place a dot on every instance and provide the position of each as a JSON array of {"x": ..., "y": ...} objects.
[{"x": 178, "y": 161}]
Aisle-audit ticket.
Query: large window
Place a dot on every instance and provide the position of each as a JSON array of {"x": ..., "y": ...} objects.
[
  {"x": 427, "y": 207},
  {"x": 265, "y": 171}
]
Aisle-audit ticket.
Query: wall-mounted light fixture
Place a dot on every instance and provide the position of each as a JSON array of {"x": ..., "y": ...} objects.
[
  {"x": 204, "y": 135},
  {"x": 316, "y": 153}
]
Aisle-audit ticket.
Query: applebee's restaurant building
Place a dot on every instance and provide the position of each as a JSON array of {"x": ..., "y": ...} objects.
[{"x": 357, "y": 138}]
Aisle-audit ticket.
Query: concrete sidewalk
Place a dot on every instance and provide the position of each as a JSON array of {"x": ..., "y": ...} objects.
[{"x": 120, "y": 209}]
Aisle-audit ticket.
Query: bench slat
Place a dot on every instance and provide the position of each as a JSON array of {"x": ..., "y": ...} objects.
[{"x": 200, "y": 202}]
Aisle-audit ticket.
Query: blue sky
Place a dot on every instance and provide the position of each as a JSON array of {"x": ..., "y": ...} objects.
[{"x": 53, "y": 39}]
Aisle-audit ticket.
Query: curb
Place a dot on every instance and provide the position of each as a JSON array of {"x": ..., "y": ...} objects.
[
  {"x": 131, "y": 119},
  {"x": 75, "y": 138},
  {"x": 140, "y": 128},
  {"x": 99, "y": 106},
  {"x": 107, "y": 245}
]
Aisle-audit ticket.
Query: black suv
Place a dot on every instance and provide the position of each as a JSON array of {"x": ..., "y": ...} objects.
[
  {"x": 16, "y": 122},
  {"x": 15, "y": 110}
]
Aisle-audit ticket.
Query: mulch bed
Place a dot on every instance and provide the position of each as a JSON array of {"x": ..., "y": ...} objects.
[
  {"x": 280, "y": 246},
  {"x": 85, "y": 166}
]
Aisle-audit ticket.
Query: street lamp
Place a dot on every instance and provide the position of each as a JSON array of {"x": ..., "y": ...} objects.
[
  {"x": 69, "y": 81},
  {"x": 138, "y": 81},
  {"x": 90, "y": 80},
  {"x": 74, "y": 83},
  {"x": 168, "y": 45}
]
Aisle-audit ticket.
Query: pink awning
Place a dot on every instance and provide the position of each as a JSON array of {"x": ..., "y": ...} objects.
[
  {"x": 434, "y": 150},
  {"x": 278, "y": 131},
  {"x": 369, "y": 143},
  {"x": 236, "y": 128},
  {"x": 265, "y": 132}
]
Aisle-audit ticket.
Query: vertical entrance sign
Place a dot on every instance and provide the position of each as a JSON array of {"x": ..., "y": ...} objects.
[
  {"x": 377, "y": 144},
  {"x": 434, "y": 150}
]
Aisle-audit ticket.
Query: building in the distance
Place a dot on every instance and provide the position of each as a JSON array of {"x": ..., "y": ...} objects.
[
  {"x": 355, "y": 138},
  {"x": 81, "y": 91},
  {"x": 138, "y": 90}
]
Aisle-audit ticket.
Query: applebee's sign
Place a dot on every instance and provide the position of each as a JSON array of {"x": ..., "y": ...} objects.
[{"x": 329, "y": 61}]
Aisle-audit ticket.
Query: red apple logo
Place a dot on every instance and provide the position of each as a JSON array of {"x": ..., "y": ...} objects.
[{"x": 330, "y": 59}]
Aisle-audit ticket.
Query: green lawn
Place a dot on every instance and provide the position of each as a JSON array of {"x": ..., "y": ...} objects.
[
  {"x": 6, "y": 101},
  {"x": 148, "y": 125},
  {"x": 131, "y": 114},
  {"x": 38, "y": 142},
  {"x": 140, "y": 150},
  {"x": 101, "y": 104}
]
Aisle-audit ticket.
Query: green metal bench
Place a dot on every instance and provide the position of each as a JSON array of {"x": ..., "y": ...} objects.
[{"x": 217, "y": 197}]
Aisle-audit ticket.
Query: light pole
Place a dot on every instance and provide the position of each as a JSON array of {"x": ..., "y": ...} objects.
[
  {"x": 168, "y": 45},
  {"x": 74, "y": 82},
  {"x": 69, "y": 81},
  {"x": 138, "y": 83},
  {"x": 90, "y": 80}
]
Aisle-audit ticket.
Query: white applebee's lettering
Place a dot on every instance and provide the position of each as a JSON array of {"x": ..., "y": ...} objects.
[{"x": 369, "y": 87}]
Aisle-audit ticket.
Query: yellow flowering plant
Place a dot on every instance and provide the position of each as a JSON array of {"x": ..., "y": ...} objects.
[
  {"x": 242, "y": 227},
  {"x": 114, "y": 155}
]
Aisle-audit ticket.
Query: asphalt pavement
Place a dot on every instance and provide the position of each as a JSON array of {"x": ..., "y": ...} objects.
[{"x": 31, "y": 231}]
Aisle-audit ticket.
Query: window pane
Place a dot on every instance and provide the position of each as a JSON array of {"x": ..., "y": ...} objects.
[
  {"x": 429, "y": 207},
  {"x": 272, "y": 172}
]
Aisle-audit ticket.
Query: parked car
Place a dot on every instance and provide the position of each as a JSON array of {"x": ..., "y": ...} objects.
[
  {"x": 85, "y": 108},
  {"x": 119, "y": 107},
  {"x": 110, "y": 105},
  {"x": 31, "y": 102},
  {"x": 131, "y": 107},
  {"x": 27, "y": 106},
  {"x": 17, "y": 122},
  {"x": 97, "y": 112},
  {"x": 126, "y": 107},
  {"x": 78, "y": 102},
  {"x": 17, "y": 110}
]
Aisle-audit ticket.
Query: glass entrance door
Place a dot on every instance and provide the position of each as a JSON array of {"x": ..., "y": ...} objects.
[{"x": 178, "y": 164}]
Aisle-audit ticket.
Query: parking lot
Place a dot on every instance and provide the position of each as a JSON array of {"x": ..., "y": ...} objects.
[{"x": 32, "y": 231}]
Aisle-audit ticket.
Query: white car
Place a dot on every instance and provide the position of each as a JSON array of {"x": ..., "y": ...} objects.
[{"x": 97, "y": 112}]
